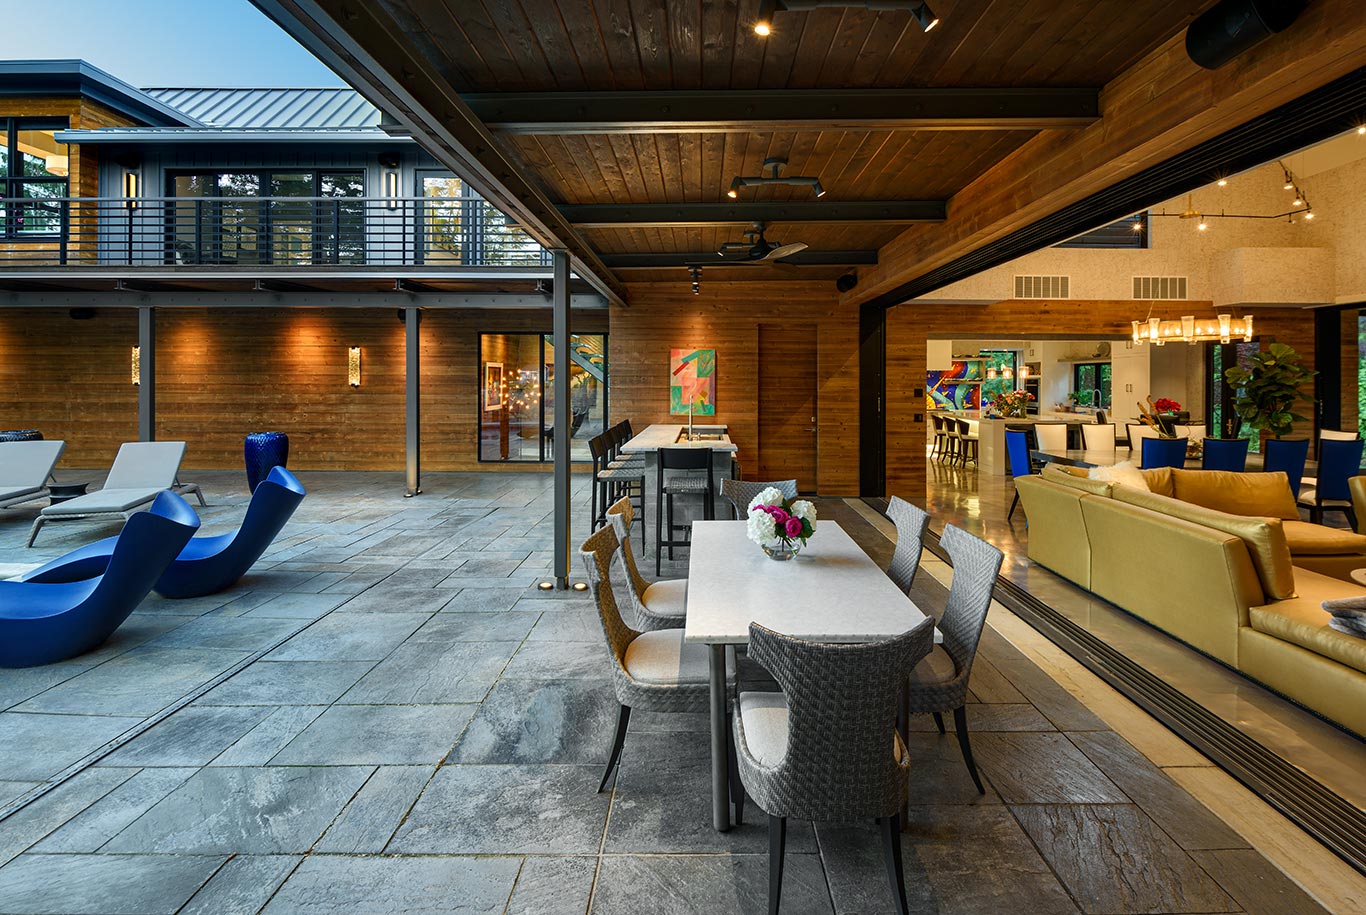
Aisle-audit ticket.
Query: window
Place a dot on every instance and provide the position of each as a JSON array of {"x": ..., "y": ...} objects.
[
  {"x": 516, "y": 395},
  {"x": 1220, "y": 396},
  {"x": 1129, "y": 232},
  {"x": 33, "y": 167},
  {"x": 1087, "y": 379},
  {"x": 458, "y": 227},
  {"x": 1004, "y": 361},
  {"x": 216, "y": 220}
]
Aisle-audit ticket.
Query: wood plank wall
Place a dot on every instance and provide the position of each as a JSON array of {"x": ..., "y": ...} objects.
[
  {"x": 224, "y": 373},
  {"x": 908, "y": 326},
  {"x": 725, "y": 317}
]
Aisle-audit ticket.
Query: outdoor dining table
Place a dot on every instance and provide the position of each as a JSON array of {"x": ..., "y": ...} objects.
[{"x": 831, "y": 592}]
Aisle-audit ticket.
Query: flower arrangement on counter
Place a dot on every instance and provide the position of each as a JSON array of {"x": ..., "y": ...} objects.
[
  {"x": 1166, "y": 405},
  {"x": 1012, "y": 403},
  {"x": 780, "y": 526}
]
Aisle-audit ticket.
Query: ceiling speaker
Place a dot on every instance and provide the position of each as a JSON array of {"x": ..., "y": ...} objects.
[
  {"x": 1231, "y": 27},
  {"x": 81, "y": 314},
  {"x": 846, "y": 282}
]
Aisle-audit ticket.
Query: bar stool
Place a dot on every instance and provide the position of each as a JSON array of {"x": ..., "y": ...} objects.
[
  {"x": 940, "y": 436},
  {"x": 967, "y": 441},
  {"x": 687, "y": 481},
  {"x": 610, "y": 483},
  {"x": 952, "y": 440}
]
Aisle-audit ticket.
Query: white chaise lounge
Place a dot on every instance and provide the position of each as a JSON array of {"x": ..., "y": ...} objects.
[
  {"x": 24, "y": 469},
  {"x": 140, "y": 471}
]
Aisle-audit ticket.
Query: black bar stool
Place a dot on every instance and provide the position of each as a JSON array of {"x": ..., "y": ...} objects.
[
  {"x": 686, "y": 481},
  {"x": 609, "y": 483}
]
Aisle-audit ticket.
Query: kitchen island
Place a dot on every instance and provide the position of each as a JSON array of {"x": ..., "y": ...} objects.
[{"x": 991, "y": 435}]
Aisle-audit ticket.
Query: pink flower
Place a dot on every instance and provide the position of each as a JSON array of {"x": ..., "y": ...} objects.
[
  {"x": 794, "y": 527},
  {"x": 779, "y": 515}
]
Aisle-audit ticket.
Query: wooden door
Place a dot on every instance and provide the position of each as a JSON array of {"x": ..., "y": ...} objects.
[{"x": 787, "y": 404}]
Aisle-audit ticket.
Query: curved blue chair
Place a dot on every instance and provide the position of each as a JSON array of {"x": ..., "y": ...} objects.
[
  {"x": 1164, "y": 452},
  {"x": 207, "y": 564},
  {"x": 1339, "y": 460},
  {"x": 45, "y": 623},
  {"x": 1017, "y": 450},
  {"x": 1288, "y": 456},
  {"x": 1225, "y": 454}
]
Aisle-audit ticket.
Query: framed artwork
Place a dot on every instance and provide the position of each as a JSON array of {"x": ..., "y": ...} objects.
[
  {"x": 493, "y": 386},
  {"x": 692, "y": 381}
]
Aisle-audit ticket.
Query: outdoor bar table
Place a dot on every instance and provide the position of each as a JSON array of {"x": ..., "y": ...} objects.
[{"x": 831, "y": 592}]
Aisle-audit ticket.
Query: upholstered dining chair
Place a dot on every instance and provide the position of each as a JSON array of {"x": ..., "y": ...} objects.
[
  {"x": 826, "y": 748},
  {"x": 1163, "y": 452},
  {"x": 659, "y": 605},
  {"x": 910, "y": 522},
  {"x": 939, "y": 683},
  {"x": 739, "y": 493},
  {"x": 1051, "y": 436},
  {"x": 1287, "y": 455},
  {"x": 1017, "y": 451},
  {"x": 1225, "y": 454},
  {"x": 1137, "y": 432},
  {"x": 1098, "y": 436},
  {"x": 653, "y": 671},
  {"x": 1339, "y": 460}
]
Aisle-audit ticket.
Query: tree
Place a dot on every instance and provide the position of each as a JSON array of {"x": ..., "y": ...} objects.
[{"x": 1268, "y": 388}]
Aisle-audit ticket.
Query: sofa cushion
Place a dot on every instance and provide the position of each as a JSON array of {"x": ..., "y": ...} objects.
[
  {"x": 1159, "y": 480},
  {"x": 1307, "y": 539},
  {"x": 1304, "y": 623},
  {"x": 1076, "y": 478},
  {"x": 1263, "y": 495},
  {"x": 1265, "y": 537}
]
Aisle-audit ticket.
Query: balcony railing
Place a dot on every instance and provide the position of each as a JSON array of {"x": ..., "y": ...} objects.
[{"x": 253, "y": 232}]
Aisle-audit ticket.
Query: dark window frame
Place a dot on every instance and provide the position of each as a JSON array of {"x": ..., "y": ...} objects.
[
  {"x": 1118, "y": 235},
  {"x": 1100, "y": 367},
  {"x": 13, "y": 180}
]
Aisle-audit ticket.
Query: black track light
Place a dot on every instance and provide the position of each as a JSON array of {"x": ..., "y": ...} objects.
[{"x": 925, "y": 16}]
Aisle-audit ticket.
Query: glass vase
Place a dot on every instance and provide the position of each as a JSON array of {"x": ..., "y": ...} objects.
[{"x": 784, "y": 551}]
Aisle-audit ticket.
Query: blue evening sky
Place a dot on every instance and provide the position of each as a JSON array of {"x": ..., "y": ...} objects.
[{"x": 165, "y": 42}]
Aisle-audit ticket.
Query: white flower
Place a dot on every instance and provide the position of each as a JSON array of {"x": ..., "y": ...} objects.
[
  {"x": 805, "y": 510},
  {"x": 759, "y": 527},
  {"x": 770, "y": 496}
]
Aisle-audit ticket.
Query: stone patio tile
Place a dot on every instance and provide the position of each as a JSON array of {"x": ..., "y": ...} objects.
[
  {"x": 228, "y": 810},
  {"x": 242, "y": 634},
  {"x": 368, "y": 822},
  {"x": 190, "y": 737},
  {"x": 433, "y": 672},
  {"x": 97, "y": 885},
  {"x": 139, "y": 683},
  {"x": 287, "y": 683},
  {"x": 547, "y": 660},
  {"x": 377, "y": 735},
  {"x": 20, "y": 684},
  {"x": 383, "y": 599},
  {"x": 567, "y": 625},
  {"x": 502, "y": 810},
  {"x": 34, "y": 747},
  {"x": 242, "y": 885},
  {"x": 350, "y": 637},
  {"x": 9, "y": 790},
  {"x": 474, "y": 626},
  {"x": 296, "y": 606},
  {"x": 1041, "y": 769},
  {"x": 258, "y": 746},
  {"x": 105, "y": 818},
  {"x": 481, "y": 600},
  {"x": 553, "y": 886},
  {"x": 41, "y": 816},
  {"x": 541, "y": 721},
  {"x": 708, "y": 885},
  {"x": 335, "y": 885}
]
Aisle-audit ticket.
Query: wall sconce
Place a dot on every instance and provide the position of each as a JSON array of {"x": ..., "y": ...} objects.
[
  {"x": 136, "y": 364},
  {"x": 389, "y": 162},
  {"x": 132, "y": 186},
  {"x": 353, "y": 366}
]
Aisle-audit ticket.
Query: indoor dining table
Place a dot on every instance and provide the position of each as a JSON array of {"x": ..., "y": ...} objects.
[{"x": 831, "y": 592}]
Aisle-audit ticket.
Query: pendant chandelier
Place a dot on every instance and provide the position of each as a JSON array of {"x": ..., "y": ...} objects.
[{"x": 1189, "y": 329}]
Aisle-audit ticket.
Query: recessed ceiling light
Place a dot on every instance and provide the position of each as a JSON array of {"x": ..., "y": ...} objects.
[{"x": 763, "y": 26}]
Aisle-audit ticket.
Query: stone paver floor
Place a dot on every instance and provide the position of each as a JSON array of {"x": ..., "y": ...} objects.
[{"x": 411, "y": 726}]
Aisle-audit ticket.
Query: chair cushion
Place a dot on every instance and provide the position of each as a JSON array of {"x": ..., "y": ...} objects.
[
  {"x": 685, "y": 484},
  {"x": 6, "y": 494},
  {"x": 764, "y": 717},
  {"x": 622, "y": 473},
  {"x": 662, "y": 658},
  {"x": 105, "y": 500},
  {"x": 935, "y": 667},
  {"x": 1304, "y": 623},
  {"x": 1309, "y": 493},
  {"x": 670, "y": 597},
  {"x": 1262, "y": 495},
  {"x": 1307, "y": 539}
]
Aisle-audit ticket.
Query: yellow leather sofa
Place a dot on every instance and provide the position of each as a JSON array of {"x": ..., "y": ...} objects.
[{"x": 1226, "y": 583}]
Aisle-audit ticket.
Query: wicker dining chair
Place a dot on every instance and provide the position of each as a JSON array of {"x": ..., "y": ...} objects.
[
  {"x": 659, "y": 605},
  {"x": 742, "y": 492},
  {"x": 653, "y": 671},
  {"x": 939, "y": 683},
  {"x": 827, "y": 748},
  {"x": 910, "y": 524}
]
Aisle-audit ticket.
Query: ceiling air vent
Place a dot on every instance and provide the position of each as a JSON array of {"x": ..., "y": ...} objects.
[
  {"x": 1043, "y": 287},
  {"x": 1159, "y": 287}
]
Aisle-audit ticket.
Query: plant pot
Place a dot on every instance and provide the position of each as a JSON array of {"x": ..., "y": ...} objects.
[{"x": 263, "y": 452}]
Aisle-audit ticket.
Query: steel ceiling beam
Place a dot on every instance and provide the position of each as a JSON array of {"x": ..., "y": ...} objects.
[
  {"x": 806, "y": 258},
  {"x": 647, "y": 215},
  {"x": 371, "y": 51},
  {"x": 747, "y": 110}
]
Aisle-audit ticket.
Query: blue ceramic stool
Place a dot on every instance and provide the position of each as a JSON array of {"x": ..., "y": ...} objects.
[{"x": 263, "y": 451}]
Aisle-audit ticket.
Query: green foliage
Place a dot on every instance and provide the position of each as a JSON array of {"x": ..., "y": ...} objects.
[{"x": 1268, "y": 388}]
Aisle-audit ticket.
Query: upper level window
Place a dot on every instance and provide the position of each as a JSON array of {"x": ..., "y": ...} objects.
[
  {"x": 33, "y": 166},
  {"x": 1130, "y": 232}
]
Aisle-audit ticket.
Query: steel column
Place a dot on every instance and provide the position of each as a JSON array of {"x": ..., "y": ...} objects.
[
  {"x": 147, "y": 383},
  {"x": 561, "y": 420},
  {"x": 412, "y": 324}
]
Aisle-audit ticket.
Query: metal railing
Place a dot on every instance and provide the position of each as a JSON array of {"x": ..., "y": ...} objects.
[{"x": 252, "y": 232}]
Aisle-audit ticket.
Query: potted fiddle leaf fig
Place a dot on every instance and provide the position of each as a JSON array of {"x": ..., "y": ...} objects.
[{"x": 1268, "y": 388}]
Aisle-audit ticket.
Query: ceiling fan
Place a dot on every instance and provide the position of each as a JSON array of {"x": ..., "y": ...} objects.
[{"x": 755, "y": 248}]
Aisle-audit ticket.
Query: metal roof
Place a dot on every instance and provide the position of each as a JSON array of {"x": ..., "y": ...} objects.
[
  {"x": 48, "y": 78},
  {"x": 272, "y": 108},
  {"x": 229, "y": 135}
]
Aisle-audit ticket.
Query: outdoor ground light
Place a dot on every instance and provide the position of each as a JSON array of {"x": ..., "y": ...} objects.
[{"x": 353, "y": 366}]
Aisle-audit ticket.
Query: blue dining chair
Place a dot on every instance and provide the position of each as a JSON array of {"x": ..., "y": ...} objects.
[
  {"x": 1286, "y": 455},
  {"x": 1163, "y": 452},
  {"x": 206, "y": 565},
  {"x": 1339, "y": 460},
  {"x": 46, "y": 623},
  {"x": 1017, "y": 450},
  {"x": 1225, "y": 454}
]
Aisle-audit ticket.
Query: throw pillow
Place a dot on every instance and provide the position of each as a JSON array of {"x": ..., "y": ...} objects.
[{"x": 1124, "y": 473}]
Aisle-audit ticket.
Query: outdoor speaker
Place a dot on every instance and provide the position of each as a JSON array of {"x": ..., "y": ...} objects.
[
  {"x": 1231, "y": 27},
  {"x": 846, "y": 282},
  {"x": 81, "y": 314}
]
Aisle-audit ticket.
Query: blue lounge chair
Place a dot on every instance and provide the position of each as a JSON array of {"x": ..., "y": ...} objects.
[
  {"x": 45, "y": 623},
  {"x": 207, "y": 564}
]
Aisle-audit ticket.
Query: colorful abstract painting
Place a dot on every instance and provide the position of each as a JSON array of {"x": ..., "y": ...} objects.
[
  {"x": 958, "y": 388},
  {"x": 692, "y": 380}
]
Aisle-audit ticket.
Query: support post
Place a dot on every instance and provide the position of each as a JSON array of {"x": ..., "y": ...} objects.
[
  {"x": 561, "y": 420},
  {"x": 412, "y": 323},
  {"x": 147, "y": 378}
]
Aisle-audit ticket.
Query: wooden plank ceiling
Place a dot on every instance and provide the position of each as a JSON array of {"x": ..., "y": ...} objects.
[{"x": 490, "y": 47}]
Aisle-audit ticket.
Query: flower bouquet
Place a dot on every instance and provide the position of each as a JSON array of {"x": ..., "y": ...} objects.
[
  {"x": 780, "y": 526},
  {"x": 1166, "y": 405},
  {"x": 1012, "y": 403}
]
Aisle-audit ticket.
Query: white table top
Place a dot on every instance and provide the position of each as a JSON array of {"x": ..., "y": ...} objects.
[
  {"x": 832, "y": 591},
  {"x": 665, "y": 435}
]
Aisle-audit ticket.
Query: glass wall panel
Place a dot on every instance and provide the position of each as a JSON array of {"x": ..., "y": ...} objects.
[
  {"x": 443, "y": 220},
  {"x": 41, "y": 156},
  {"x": 341, "y": 223},
  {"x": 33, "y": 166},
  {"x": 516, "y": 397},
  {"x": 587, "y": 391},
  {"x": 291, "y": 221}
]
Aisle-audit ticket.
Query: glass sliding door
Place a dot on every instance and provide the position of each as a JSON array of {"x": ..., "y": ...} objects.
[
  {"x": 516, "y": 408},
  {"x": 443, "y": 236},
  {"x": 1222, "y": 414},
  {"x": 291, "y": 220}
]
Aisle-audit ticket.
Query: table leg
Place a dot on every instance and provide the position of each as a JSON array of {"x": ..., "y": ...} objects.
[{"x": 720, "y": 777}]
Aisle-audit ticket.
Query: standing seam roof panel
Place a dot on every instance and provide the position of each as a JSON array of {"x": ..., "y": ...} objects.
[{"x": 294, "y": 108}]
